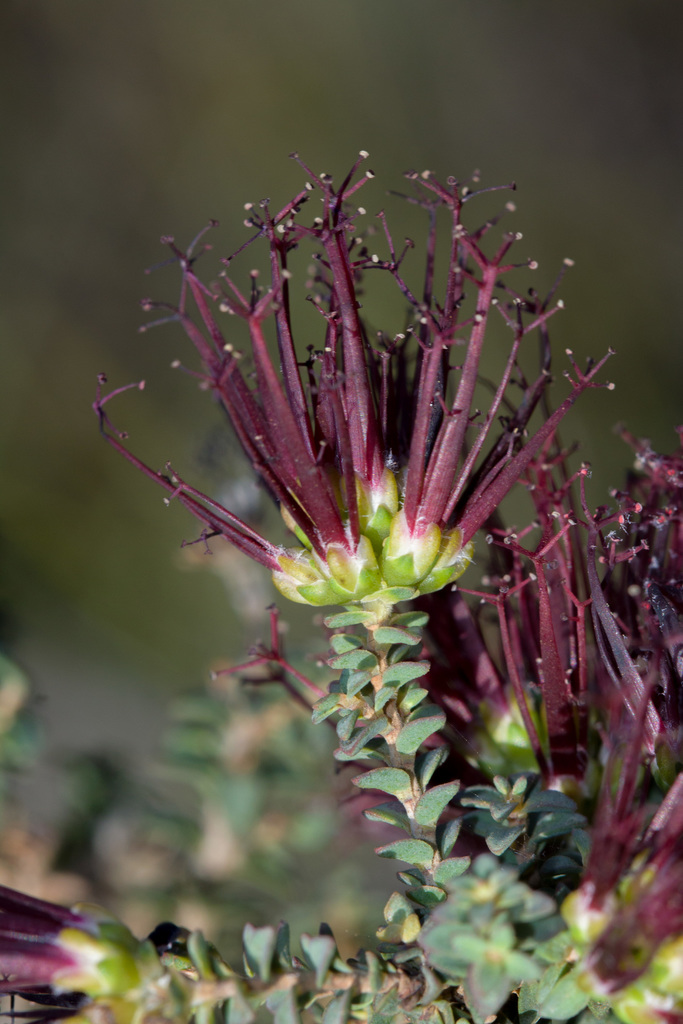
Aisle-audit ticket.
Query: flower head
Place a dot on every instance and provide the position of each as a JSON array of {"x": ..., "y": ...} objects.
[
  {"x": 46, "y": 948},
  {"x": 32, "y": 954},
  {"x": 380, "y": 462}
]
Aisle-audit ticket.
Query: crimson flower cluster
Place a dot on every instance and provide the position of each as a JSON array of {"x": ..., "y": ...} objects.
[
  {"x": 376, "y": 454},
  {"x": 567, "y": 662}
]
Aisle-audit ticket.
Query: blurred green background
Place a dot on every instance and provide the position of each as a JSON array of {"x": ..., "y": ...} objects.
[{"x": 125, "y": 121}]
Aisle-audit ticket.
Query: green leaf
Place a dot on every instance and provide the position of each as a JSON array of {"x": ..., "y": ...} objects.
[
  {"x": 566, "y": 999},
  {"x": 410, "y": 620},
  {"x": 412, "y": 876},
  {"x": 204, "y": 1014},
  {"x": 445, "y": 1013},
  {"x": 283, "y": 1007},
  {"x": 354, "y": 660},
  {"x": 426, "y": 895},
  {"x": 403, "y": 672},
  {"x": 199, "y": 952},
  {"x": 431, "y": 805},
  {"x": 532, "y": 906},
  {"x": 556, "y": 823},
  {"x": 560, "y": 866},
  {"x": 451, "y": 868},
  {"x": 355, "y": 682},
  {"x": 259, "y": 946},
  {"x": 500, "y": 838},
  {"x": 412, "y": 851},
  {"x": 391, "y": 813},
  {"x": 427, "y": 763},
  {"x": 325, "y": 707},
  {"x": 282, "y": 947},
  {"x": 414, "y": 696},
  {"x": 238, "y": 1010},
  {"x": 347, "y": 723},
  {"x": 485, "y": 797},
  {"x": 397, "y": 908},
  {"x": 503, "y": 786},
  {"x": 433, "y": 986},
  {"x": 385, "y": 1008},
  {"x": 387, "y": 780},
  {"x": 520, "y": 786},
  {"x": 582, "y": 841},
  {"x": 488, "y": 986},
  {"x": 467, "y": 946},
  {"x": 447, "y": 834},
  {"x": 383, "y": 696},
  {"x": 391, "y": 595},
  {"x": 360, "y": 738},
  {"x": 337, "y": 1010},
  {"x": 555, "y": 950},
  {"x": 423, "y": 722},
  {"x": 549, "y": 980},
  {"x": 343, "y": 619},
  {"x": 343, "y": 642},
  {"x": 527, "y": 1002},
  {"x": 375, "y": 973},
  {"x": 396, "y": 635},
  {"x": 437, "y": 940},
  {"x": 399, "y": 652},
  {"x": 549, "y": 800},
  {"x": 320, "y": 951}
]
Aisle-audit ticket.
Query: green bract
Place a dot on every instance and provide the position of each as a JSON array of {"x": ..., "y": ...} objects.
[{"x": 388, "y": 555}]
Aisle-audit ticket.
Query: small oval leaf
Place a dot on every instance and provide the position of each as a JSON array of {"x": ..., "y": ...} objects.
[
  {"x": 403, "y": 672},
  {"x": 387, "y": 780},
  {"x": 424, "y": 722},
  {"x": 395, "y": 635},
  {"x": 451, "y": 868},
  {"x": 354, "y": 660},
  {"x": 431, "y": 805},
  {"x": 343, "y": 619},
  {"x": 343, "y": 642},
  {"x": 412, "y": 851}
]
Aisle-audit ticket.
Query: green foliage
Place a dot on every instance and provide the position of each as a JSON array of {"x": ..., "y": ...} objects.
[
  {"x": 482, "y": 936},
  {"x": 520, "y": 808},
  {"x": 463, "y": 938},
  {"x": 382, "y": 715}
]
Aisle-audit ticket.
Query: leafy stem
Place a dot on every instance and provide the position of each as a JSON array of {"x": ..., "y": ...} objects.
[{"x": 384, "y": 716}]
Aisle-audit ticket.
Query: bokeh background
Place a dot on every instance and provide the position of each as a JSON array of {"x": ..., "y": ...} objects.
[{"x": 125, "y": 121}]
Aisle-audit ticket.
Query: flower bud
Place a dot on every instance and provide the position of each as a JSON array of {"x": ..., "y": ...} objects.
[
  {"x": 376, "y": 508},
  {"x": 406, "y": 557},
  {"x": 353, "y": 576},
  {"x": 451, "y": 563}
]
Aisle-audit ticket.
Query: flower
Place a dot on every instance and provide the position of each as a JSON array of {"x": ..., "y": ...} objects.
[
  {"x": 626, "y": 917},
  {"x": 627, "y": 914},
  {"x": 62, "y": 957},
  {"x": 375, "y": 455},
  {"x": 32, "y": 955}
]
